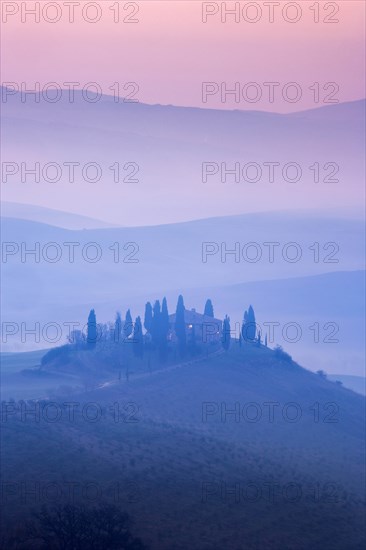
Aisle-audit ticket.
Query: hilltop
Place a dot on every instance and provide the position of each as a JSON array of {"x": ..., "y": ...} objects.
[{"x": 176, "y": 455}]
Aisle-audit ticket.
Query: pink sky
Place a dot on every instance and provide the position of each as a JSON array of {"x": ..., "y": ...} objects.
[{"x": 170, "y": 52}]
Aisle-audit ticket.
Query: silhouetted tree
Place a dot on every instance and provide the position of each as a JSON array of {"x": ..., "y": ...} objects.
[
  {"x": 92, "y": 329},
  {"x": 118, "y": 327},
  {"x": 138, "y": 339},
  {"x": 226, "y": 336},
  {"x": 321, "y": 373},
  {"x": 148, "y": 317},
  {"x": 209, "y": 309},
  {"x": 164, "y": 318},
  {"x": 180, "y": 325},
  {"x": 156, "y": 324},
  {"x": 128, "y": 325},
  {"x": 164, "y": 329},
  {"x": 192, "y": 341},
  {"x": 282, "y": 355},
  {"x": 259, "y": 339},
  {"x": 252, "y": 329},
  {"x": 76, "y": 338},
  {"x": 249, "y": 327},
  {"x": 244, "y": 326}
]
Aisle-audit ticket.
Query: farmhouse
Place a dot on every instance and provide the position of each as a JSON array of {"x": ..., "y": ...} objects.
[{"x": 206, "y": 329}]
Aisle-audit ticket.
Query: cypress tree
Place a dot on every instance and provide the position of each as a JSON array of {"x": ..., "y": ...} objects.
[
  {"x": 156, "y": 324},
  {"x": 249, "y": 326},
  {"x": 252, "y": 329},
  {"x": 192, "y": 341},
  {"x": 209, "y": 312},
  {"x": 148, "y": 319},
  {"x": 164, "y": 329},
  {"x": 118, "y": 327},
  {"x": 92, "y": 329},
  {"x": 226, "y": 336},
  {"x": 259, "y": 339},
  {"x": 244, "y": 326},
  {"x": 128, "y": 325},
  {"x": 164, "y": 319},
  {"x": 138, "y": 341},
  {"x": 180, "y": 325}
]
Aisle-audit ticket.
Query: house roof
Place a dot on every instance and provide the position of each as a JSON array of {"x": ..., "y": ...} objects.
[{"x": 192, "y": 317}]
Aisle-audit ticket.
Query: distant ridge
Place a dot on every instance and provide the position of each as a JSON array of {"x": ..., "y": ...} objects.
[
  {"x": 108, "y": 98},
  {"x": 183, "y": 153},
  {"x": 49, "y": 216}
]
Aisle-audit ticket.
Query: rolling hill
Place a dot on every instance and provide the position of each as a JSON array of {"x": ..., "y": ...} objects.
[
  {"x": 49, "y": 216},
  {"x": 168, "y": 146},
  {"x": 168, "y": 260},
  {"x": 197, "y": 445}
]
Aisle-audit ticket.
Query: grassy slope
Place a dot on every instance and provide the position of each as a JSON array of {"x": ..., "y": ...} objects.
[
  {"x": 169, "y": 452},
  {"x": 17, "y": 361}
]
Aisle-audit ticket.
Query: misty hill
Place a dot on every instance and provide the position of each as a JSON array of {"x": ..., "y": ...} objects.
[
  {"x": 49, "y": 216},
  {"x": 336, "y": 298},
  {"x": 170, "y": 262},
  {"x": 186, "y": 255},
  {"x": 169, "y": 145},
  {"x": 173, "y": 122},
  {"x": 182, "y": 455}
]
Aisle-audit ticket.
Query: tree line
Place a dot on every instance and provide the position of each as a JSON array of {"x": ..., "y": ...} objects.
[{"x": 157, "y": 327}]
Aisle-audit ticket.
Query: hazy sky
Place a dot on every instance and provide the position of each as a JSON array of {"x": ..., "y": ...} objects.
[{"x": 169, "y": 51}]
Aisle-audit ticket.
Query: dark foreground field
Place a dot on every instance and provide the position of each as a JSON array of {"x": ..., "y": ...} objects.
[{"x": 240, "y": 450}]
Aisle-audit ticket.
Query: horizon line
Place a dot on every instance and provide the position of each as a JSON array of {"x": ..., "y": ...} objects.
[{"x": 171, "y": 105}]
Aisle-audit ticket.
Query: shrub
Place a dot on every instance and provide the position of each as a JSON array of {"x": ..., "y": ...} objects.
[
  {"x": 321, "y": 373},
  {"x": 282, "y": 355}
]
